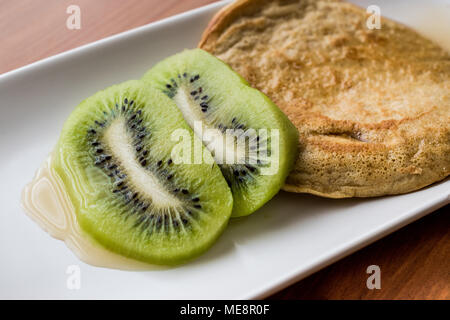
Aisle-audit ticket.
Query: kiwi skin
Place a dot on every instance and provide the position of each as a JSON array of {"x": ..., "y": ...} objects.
[
  {"x": 87, "y": 187},
  {"x": 251, "y": 105}
]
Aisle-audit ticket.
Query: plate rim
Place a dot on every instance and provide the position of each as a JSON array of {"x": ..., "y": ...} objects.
[
  {"x": 357, "y": 244},
  {"x": 326, "y": 259},
  {"x": 109, "y": 39}
]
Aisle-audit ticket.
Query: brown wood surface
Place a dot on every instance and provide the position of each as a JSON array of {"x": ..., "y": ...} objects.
[{"x": 414, "y": 261}]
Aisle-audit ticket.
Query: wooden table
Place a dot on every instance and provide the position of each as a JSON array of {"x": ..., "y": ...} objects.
[{"x": 414, "y": 262}]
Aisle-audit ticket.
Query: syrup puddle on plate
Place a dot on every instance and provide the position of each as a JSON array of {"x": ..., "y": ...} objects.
[{"x": 46, "y": 202}]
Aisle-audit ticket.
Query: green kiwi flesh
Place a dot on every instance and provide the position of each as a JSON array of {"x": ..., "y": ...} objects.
[
  {"x": 208, "y": 91},
  {"x": 114, "y": 158}
]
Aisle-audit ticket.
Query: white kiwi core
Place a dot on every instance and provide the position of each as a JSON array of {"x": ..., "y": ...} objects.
[
  {"x": 223, "y": 146},
  {"x": 119, "y": 141}
]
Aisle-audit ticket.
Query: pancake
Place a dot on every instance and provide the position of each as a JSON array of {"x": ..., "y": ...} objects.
[{"x": 372, "y": 107}]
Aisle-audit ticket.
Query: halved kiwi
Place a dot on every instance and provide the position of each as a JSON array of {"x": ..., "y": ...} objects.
[
  {"x": 212, "y": 97},
  {"x": 114, "y": 158}
]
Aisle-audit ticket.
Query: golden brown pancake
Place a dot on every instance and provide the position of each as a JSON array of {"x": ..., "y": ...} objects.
[{"x": 372, "y": 106}]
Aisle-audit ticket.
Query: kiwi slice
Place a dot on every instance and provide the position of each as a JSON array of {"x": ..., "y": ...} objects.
[
  {"x": 114, "y": 158},
  {"x": 243, "y": 124}
]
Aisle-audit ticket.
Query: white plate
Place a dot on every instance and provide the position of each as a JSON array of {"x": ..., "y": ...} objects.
[{"x": 290, "y": 238}]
